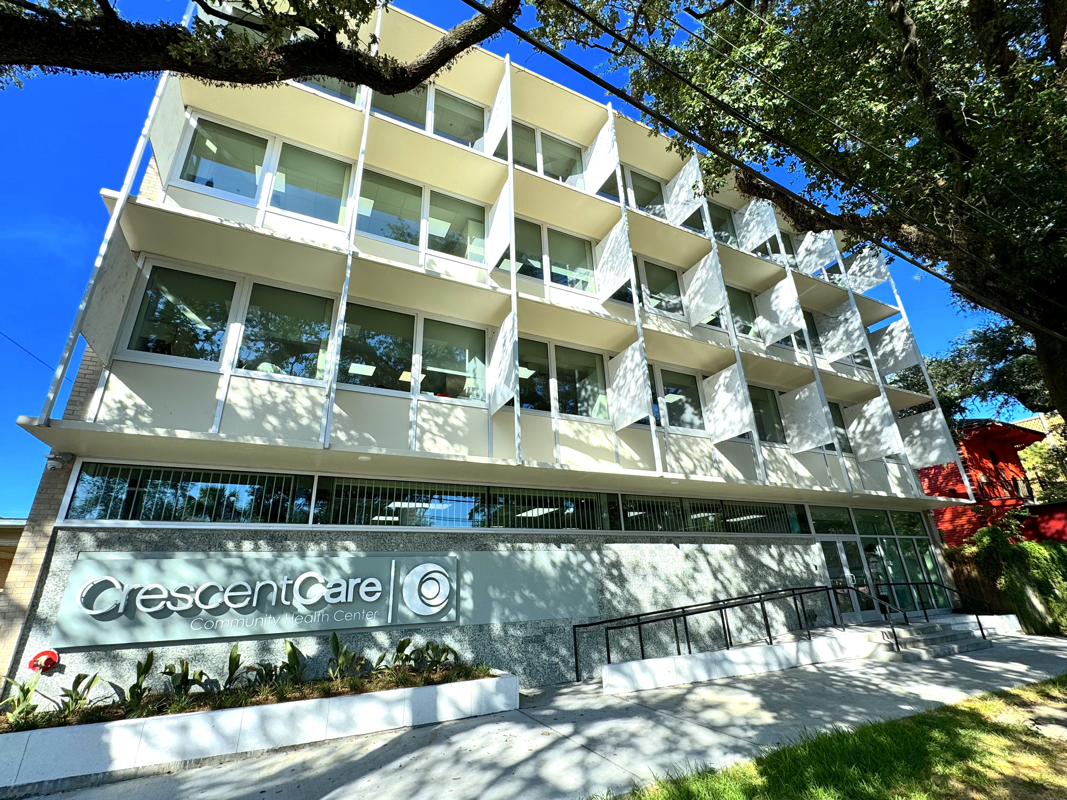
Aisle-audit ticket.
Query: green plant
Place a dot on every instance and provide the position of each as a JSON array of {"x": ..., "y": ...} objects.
[
  {"x": 435, "y": 657},
  {"x": 182, "y": 680},
  {"x": 137, "y": 692},
  {"x": 342, "y": 659},
  {"x": 235, "y": 673},
  {"x": 264, "y": 673},
  {"x": 294, "y": 663},
  {"x": 401, "y": 659},
  {"x": 76, "y": 698},
  {"x": 21, "y": 702}
]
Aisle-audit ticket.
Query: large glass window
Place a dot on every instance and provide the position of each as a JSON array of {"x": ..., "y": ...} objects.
[
  {"x": 407, "y": 107},
  {"x": 831, "y": 521},
  {"x": 183, "y": 314},
  {"x": 534, "y": 376},
  {"x": 872, "y": 522},
  {"x": 682, "y": 397},
  {"x": 376, "y": 348},
  {"x": 840, "y": 428},
  {"x": 525, "y": 140},
  {"x": 581, "y": 383},
  {"x": 286, "y": 333},
  {"x": 908, "y": 523},
  {"x": 664, "y": 293},
  {"x": 571, "y": 259},
  {"x": 310, "y": 184},
  {"x": 743, "y": 311},
  {"x": 722, "y": 224},
  {"x": 389, "y": 208},
  {"x": 334, "y": 88},
  {"x": 528, "y": 249},
  {"x": 648, "y": 194},
  {"x": 768, "y": 418},
  {"x": 453, "y": 360},
  {"x": 811, "y": 330},
  {"x": 562, "y": 161},
  {"x": 457, "y": 227},
  {"x": 225, "y": 159},
  {"x": 458, "y": 120}
]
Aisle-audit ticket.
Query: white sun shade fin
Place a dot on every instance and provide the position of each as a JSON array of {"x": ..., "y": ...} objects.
[
  {"x": 684, "y": 190},
  {"x": 614, "y": 261},
  {"x": 841, "y": 332},
  {"x": 629, "y": 393},
  {"x": 778, "y": 311},
  {"x": 868, "y": 270},
  {"x": 498, "y": 227},
  {"x": 804, "y": 418},
  {"x": 894, "y": 348},
  {"x": 755, "y": 224},
  {"x": 502, "y": 374},
  {"x": 927, "y": 439},
  {"x": 816, "y": 251},
  {"x": 727, "y": 410},
  {"x": 103, "y": 317},
  {"x": 704, "y": 290},
  {"x": 167, "y": 127},
  {"x": 872, "y": 429},
  {"x": 497, "y": 127},
  {"x": 601, "y": 157}
]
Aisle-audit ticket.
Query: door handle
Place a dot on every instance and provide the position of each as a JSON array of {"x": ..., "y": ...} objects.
[{"x": 850, "y": 579}]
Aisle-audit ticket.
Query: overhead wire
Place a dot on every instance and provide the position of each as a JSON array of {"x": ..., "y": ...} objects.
[{"x": 31, "y": 354}]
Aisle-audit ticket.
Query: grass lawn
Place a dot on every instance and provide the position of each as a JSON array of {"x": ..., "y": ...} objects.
[{"x": 986, "y": 747}]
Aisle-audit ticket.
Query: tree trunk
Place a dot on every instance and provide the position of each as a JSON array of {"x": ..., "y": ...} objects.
[{"x": 1052, "y": 358}]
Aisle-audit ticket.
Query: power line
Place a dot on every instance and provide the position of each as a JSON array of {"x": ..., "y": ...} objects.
[{"x": 31, "y": 355}]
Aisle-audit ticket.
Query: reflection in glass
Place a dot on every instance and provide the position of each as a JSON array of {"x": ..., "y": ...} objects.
[
  {"x": 872, "y": 522},
  {"x": 376, "y": 348},
  {"x": 286, "y": 333},
  {"x": 310, "y": 184},
  {"x": 457, "y": 227},
  {"x": 225, "y": 159},
  {"x": 840, "y": 428},
  {"x": 722, "y": 224},
  {"x": 768, "y": 418},
  {"x": 335, "y": 88},
  {"x": 581, "y": 384},
  {"x": 389, "y": 208},
  {"x": 743, "y": 312},
  {"x": 453, "y": 360},
  {"x": 664, "y": 293},
  {"x": 836, "y": 569},
  {"x": 895, "y": 566},
  {"x": 183, "y": 314},
  {"x": 682, "y": 397},
  {"x": 458, "y": 120},
  {"x": 648, "y": 194},
  {"x": 831, "y": 521},
  {"x": 571, "y": 259},
  {"x": 407, "y": 107},
  {"x": 941, "y": 596},
  {"x": 534, "y": 376},
  {"x": 525, "y": 141},
  {"x": 562, "y": 161},
  {"x": 908, "y": 523},
  {"x": 913, "y": 566}
]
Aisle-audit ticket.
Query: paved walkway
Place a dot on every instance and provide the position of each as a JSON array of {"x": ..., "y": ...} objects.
[{"x": 572, "y": 741}]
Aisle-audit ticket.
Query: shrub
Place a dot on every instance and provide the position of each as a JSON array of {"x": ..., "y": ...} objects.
[{"x": 137, "y": 692}]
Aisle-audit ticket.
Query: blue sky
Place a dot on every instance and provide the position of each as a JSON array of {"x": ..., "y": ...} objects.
[{"x": 73, "y": 136}]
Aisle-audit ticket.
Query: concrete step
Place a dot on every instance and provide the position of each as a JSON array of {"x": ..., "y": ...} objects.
[
  {"x": 913, "y": 631},
  {"x": 923, "y": 653},
  {"x": 928, "y": 639}
]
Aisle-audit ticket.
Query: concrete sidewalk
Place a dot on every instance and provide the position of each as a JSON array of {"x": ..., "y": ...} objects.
[{"x": 572, "y": 740}]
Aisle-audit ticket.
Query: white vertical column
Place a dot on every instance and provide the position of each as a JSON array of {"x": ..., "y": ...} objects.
[{"x": 512, "y": 257}]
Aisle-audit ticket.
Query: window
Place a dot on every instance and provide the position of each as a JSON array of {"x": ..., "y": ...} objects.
[
  {"x": 682, "y": 397},
  {"x": 812, "y": 331},
  {"x": 872, "y": 522},
  {"x": 225, "y": 159},
  {"x": 581, "y": 384},
  {"x": 840, "y": 428},
  {"x": 695, "y": 222},
  {"x": 376, "y": 348},
  {"x": 457, "y": 227},
  {"x": 562, "y": 161},
  {"x": 389, "y": 208},
  {"x": 458, "y": 120},
  {"x": 313, "y": 185},
  {"x": 743, "y": 311},
  {"x": 722, "y": 224},
  {"x": 334, "y": 88},
  {"x": 647, "y": 194},
  {"x": 453, "y": 360},
  {"x": 768, "y": 419},
  {"x": 406, "y": 107},
  {"x": 534, "y": 376},
  {"x": 655, "y": 397},
  {"x": 571, "y": 259},
  {"x": 525, "y": 140},
  {"x": 183, "y": 314},
  {"x": 610, "y": 189},
  {"x": 908, "y": 523},
  {"x": 286, "y": 333},
  {"x": 664, "y": 293},
  {"x": 831, "y": 521}
]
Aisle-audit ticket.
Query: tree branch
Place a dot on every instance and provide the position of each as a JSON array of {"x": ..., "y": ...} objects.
[
  {"x": 1054, "y": 15},
  {"x": 244, "y": 22},
  {"x": 715, "y": 9}
]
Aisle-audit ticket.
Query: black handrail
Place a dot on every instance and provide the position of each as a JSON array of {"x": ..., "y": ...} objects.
[{"x": 922, "y": 602}]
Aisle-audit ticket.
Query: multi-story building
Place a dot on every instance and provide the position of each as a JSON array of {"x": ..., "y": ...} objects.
[{"x": 475, "y": 363}]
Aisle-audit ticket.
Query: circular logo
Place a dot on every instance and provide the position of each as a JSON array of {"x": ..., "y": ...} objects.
[{"x": 426, "y": 589}]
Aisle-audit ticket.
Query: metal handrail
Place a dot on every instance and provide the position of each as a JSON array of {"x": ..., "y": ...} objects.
[{"x": 922, "y": 602}]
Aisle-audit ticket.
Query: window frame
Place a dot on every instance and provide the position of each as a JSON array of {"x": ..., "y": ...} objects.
[
  {"x": 554, "y": 385},
  {"x": 776, "y": 391},
  {"x": 431, "y": 107},
  {"x": 661, "y": 397},
  {"x": 646, "y": 294},
  {"x": 537, "y": 129},
  {"x": 355, "y": 105},
  {"x": 631, "y": 200},
  {"x": 416, "y": 385},
  {"x": 755, "y": 321},
  {"x": 410, "y": 312}
]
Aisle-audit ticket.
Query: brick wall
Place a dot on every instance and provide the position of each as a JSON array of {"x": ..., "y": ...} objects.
[
  {"x": 84, "y": 386},
  {"x": 151, "y": 185}
]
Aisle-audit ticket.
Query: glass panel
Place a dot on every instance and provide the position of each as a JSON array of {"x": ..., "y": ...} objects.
[
  {"x": 525, "y": 141},
  {"x": 183, "y": 314},
  {"x": 376, "y": 348},
  {"x": 389, "y": 208},
  {"x": 908, "y": 523},
  {"x": 812, "y": 331},
  {"x": 831, "y": 521},
  {"x": 839, "y": 427},
  {"x": 768, "y": 419},
  {"x": 836, "y": 571},
  {"x": 895, "y": 567},
  {"x": 610, "y": 189},
  {"x": 562, "y": 161},
  {"x": 546, "y": 508},
  {"x": 457, "y": 227},
  {"x": 534, "y": 376},
  {"x": 653, "y": 513},
  {"x": 861, "y": 359},
  {"x": 743, "y": 311},
  {"x": 354, "y": 501},
  {"x": 859, "y": 576},
  {"x": 310, "y": 184},
  {"x": 879, "y": 574},
  {"x": 664, "y": 293},
  {"x": 458, "y": 120},
  {"x": 765, "y": 518},
  {"x": 872, "y": 522},
  {"x": 913, "y": 566},
  {"x": 682, "y": 397},
  {"x": 286, "y": 333},
  {"x": 453, "y": 360},
  {"x": 655, "y": 397},
  {"x": 581, "y": 383},
  {"x": 528, "y": 249},
  {"x": 225, "y": 159},
  {"x": 722, "y": 224},
  {"x": 695, "y": 222},
  {"x": 335, "y": 88},
  {"x": 408, "y": 107},
  {"x": 571, "y": 259},
  {"x": 648, "y": 194},
  {"x": 926, "y": 553}
]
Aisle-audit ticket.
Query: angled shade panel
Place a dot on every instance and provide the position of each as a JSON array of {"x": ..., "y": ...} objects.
[
  {"x": 614, "y": 261},
  {"x": 103, "y": 316},
  {"x": 872, "y": 429},
  {"x": 804, "y": 417},
  {"x": 629, "y": 393},
  {"x": 778, "y": 311},
  {"x": 684, "y": 190},
  {"x": 927, "y": 439},
  {"x": 841, "y": 331},
  {"x": 727, "y": 410},
  {"x": 868, "y": 270},
  {"x": 498, "y": 228},
  {"x": 894, "y": 348},
  {"x": 703, "y": 289},
  {"x": 601, "y": 157},
  {"x": 502, "y": 374},
  {"x": 168, "y": 125},
  {"x": 755, "y": 224},
  {"x": 816, "y": 251},
  {"x": 497, "y": 127}
]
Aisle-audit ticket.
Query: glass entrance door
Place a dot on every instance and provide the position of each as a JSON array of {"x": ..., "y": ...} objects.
[{"x": 848, "y": 574}]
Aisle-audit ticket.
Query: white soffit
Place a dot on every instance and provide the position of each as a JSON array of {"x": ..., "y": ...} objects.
[
  {"x": 614, "y": 261},
  {"x": 103, "y": 316},
  {"x": 894, "y": 348},
  {"x": 872, "y": 429},
  {"x": 816, "y": 251},
  {"x": 804, "y": 418},
  {"x": 502, "y": 374},
  {"x": 778, "y": 311},
  {"x": 841, "y": 332},
  {"x": 168, "y": 125},
  {"x": 703, "y": 289},
  {"x": 629, "y": 393},
  {"x": 684, "y": 192},
  {"x": 498, "y": 228},
  {"x": 601, "y": 157},
  {"x": 755, "y": 224},
  {"x": 499, "y": 114},
  {"x": 868, "y": 270},
  {"x": 927, "y": 439},
  {"x": 727, "y": 410}
]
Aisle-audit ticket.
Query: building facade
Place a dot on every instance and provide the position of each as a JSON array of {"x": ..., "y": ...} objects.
[{"x": 475, "y": 363}]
